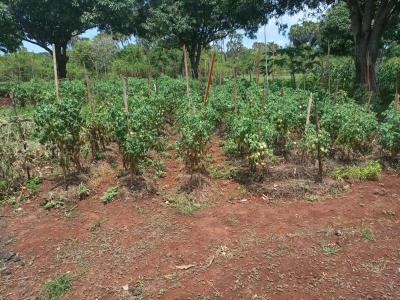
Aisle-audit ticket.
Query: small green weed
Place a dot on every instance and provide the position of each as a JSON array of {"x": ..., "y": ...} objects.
[
  {"x": 231, "y": 219},
  {"x": 57, "y": 287},
  {"x": 329, "y": 249},
  {"x": 185, "y": 206},
  {"x": 219, "y": 174},
  {"x": 33, "y": 183},
  {"x": 96, "y": 225},
  {"x": 370, "y": 171},
  {"x": 83, "y": 191},
  {"x": 367, "y": 233},
  {"x": 111, "y": 193},
  {"x": 54, "y": 201},
  {"x": 312, "y": 198}
]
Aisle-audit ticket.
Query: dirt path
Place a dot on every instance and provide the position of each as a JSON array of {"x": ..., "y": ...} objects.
[{"x": 239, "y": 246}]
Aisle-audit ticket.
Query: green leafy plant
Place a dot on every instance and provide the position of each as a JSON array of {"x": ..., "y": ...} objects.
[
  {"x": 83, "y": 191},
  {"x": 54, "y": 201},
  {"x": 57, "y": 287},
  {"x": 390, "y": 131},
  {"x": 34, "y": 182},
  {"x": 371, "y": 170},
  {"x": 110, "y": 194},
  {"x": 309, "y": 142}
]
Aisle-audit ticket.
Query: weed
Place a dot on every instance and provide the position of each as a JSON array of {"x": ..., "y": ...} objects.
[
  {"x": 219, "y": 174},
  {"x": 122, "y": 173},
  {"x": 140, "y": 210},
  {"x": 54, "y": 201},
  {"x": 33, "y": 183},
  {"x": 57, "y": 287},
  {"x": 367, "y": 233},
  {"x": 185, "y": 206},
  {"x": 96, "y": 225},
  {"x": 111, "y": 193},
  {"x": 329, "y": 249},
  {"x": 370, "y": 171},
  {"x": 83, "y": 191},
  {"x": 231, "y": 219},
  {"x": 312, "y": 198}
]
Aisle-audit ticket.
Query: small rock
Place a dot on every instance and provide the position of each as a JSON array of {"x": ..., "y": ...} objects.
[
  {"x": 5, "y": 272},
  {"x": 17, "y": 258},
  {"x": 6, "y": 256},
  {"x": 380, "y": 192},
  {"x": 135, "y": 291},
  {"x": 338, "y": 232},
  {"x": 125, "y": 287}
]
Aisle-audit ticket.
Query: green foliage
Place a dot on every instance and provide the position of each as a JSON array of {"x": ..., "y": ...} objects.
[
  {"x": 56, "y": 288},
  {"x": 309, "y": 142},
  {"x": 60, "y": 125},
  {"x": 34, "y": 182},
  {"x": 83, "y": 191},
  {"x": 390, "y": 131},
  {"x": 110, "y": 194},
  {"x": 185, "y": 206},
  {"x": 349, "y": 125},
  {"x": 194, "y": 133},
  {"x": 371, "y": 170},
  {"x": 54, "y": 201}
]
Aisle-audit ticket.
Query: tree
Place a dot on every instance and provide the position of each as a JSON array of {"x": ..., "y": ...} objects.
[
  {"x": 9, "y": 40},
  {"x": 306, "y": 33},
  {"x": 45, "y": 23},
  {"x": 370, "y": 19},
  {"x": 234, "y": 44},
  {"x": 335, "y": 30},
  {"x": 197, "y": 23}
]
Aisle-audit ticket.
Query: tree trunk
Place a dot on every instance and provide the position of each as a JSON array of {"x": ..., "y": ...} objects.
[
  {"x": 62, "y": 60},
  {"x": 365, "y": 57},
  {"x": 194, "y": 57}
]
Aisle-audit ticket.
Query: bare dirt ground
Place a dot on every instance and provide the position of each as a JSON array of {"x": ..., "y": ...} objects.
[{"x": 239, "y": 245}]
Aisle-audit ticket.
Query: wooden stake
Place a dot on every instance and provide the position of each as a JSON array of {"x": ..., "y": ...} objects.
[
  {"x": 210, "y": 77},
  {"x": 319, "y": 155},
  {"x": 396, "y": 103},
  {"x": 185, "y": 58},
  {"x": 56, "y": 84},
  {"x": 258, "y": 64},
  {"x": 310, "y": 102},
  {"x": 125, "y": 89},
  {"x": 234, "y": 92},
  {"x": 89, "y": 91}
]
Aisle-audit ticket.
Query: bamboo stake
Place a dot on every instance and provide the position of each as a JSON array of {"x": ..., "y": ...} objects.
[
  {"x": 186, "y": 71},
  {"x": 396, "y": 103},
  {"x": 89, "y": 91},
  {"x": 210, "y": 77},
  {"x": 56, "y": 84},
  {"x": 258, "y": 64},
  {"x": 266, "y": 83},
  {"x": 310, "y": 102},
  {"x": 319, "y": 155},
  {"x": 125, "y": 89}
]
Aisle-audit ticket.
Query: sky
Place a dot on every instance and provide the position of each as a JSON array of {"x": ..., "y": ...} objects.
[{"x": 273, "y": 34}]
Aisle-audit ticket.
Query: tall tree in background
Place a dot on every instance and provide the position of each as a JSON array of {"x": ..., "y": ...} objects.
[
  {"x": 197, "y": 23},
  {"x": 44, "y": 22},
  {"x": 370, "y": 19},
  {"x": 9, "y": 33},
  {"x": 335, "y": 30},
  {"x": 305, "y": 33}
]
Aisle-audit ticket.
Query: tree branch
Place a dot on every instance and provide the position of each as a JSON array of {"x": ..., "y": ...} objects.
[{"x": 38, "y": 44}]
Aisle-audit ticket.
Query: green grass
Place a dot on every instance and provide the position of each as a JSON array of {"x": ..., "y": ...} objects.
[
  {"x": 329, "y": 249},
  {"x": 83, "y": 191},
  {"x": 111, "y": 193},
  {"x": 371, "y": 170},
  {"x": 184, "y": 205},
  {"x": 367, "y": 233},
  {"x": 57, "y": 287}
]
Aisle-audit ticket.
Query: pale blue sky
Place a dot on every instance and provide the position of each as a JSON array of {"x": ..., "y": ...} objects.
[{"x": 272, "y": 31}]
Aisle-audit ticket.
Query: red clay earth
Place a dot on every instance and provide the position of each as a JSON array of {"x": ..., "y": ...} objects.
[
  {"x": 238, "y": 246},
  {"x": 5, "y": 101}
]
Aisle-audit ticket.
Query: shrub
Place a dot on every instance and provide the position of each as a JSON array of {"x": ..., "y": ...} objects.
[
  {"x": 371, "y": 170},
  {"x": 390, "y": 132}
]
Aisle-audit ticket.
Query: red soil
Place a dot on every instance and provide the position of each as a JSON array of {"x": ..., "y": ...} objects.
[{"x": 239, "y": 247}]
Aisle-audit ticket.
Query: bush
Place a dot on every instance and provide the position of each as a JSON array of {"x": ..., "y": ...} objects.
[
  {"x": 371, "y": 170},
  {"x": 390, "y": 132}
]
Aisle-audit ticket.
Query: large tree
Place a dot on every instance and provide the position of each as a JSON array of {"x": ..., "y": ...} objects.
[
  {"x": 9, "y": 34},
  {"x": 197, "y": 23},
  {"x": 370, "y": 19},
  {"x": 44, "y": 22}
]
